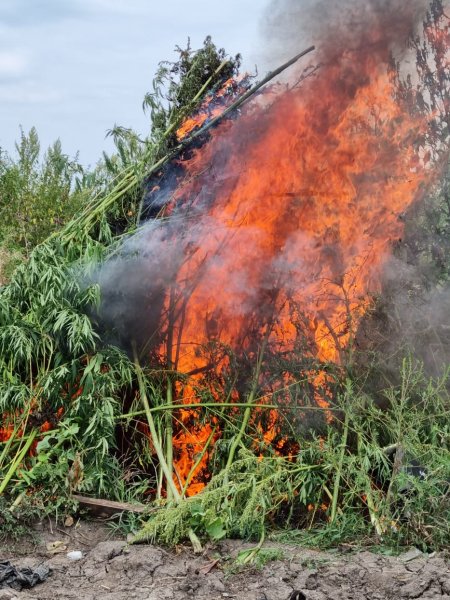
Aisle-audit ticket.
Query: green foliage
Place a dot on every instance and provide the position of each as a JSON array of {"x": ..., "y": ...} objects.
[
  {"x": 377, "y": 499},
  {"x": 55, "y": 371},
  {"x": 52, "y": 360},
  {"x": 37, "y": 195},
  {"x": 239, "y": 501},
  {"x": 177, "y": 84}
]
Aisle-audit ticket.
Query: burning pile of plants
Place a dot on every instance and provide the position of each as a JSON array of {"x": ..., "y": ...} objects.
[{"x": 231, "y": 362}]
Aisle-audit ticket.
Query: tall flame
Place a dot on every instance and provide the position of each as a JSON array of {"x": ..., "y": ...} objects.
[{"x": 282, "y": 226}]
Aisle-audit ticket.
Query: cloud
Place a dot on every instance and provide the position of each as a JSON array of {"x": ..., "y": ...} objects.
[
  {"x": 20, "y": 13},
  {"x": 135, "y": 7},
  {"x": 12, "y": 64},
  {"x": 29, "y": 13},
  {"x": 28, "y": 93}
]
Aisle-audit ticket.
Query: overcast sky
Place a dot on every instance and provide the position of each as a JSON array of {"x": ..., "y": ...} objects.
[{"x": 74, "y": 68}]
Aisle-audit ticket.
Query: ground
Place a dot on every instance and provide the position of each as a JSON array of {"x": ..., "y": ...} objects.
[{"x": 111, "y": 570}]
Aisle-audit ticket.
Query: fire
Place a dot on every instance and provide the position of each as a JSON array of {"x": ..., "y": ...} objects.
[
  {"x": 212, "y": 106},
  {"x": 287, "y": 216}
]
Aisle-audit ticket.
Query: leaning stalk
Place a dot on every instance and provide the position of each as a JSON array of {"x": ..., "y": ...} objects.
[
  {"x": 158, "y": 448},
  {"x": 169, "y": 433},
  {"x": 15, "y": 464},
  {"x": 337, "y": 479},
  {"x": 249, "y": 404}
]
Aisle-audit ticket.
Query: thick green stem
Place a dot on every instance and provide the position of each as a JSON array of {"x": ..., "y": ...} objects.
[
  {"x": 19, "y": 458},
  {"x": 158, "y": 448},
  {"x": 169, "y": 432},
  {"x": 249, "y": 404},
  {"x": 337, "y": 478}
]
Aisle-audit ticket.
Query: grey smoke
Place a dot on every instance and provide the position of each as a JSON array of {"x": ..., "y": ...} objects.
[
  {"x": 337, "y": 26},
  {"x": 134, "y": 283}
]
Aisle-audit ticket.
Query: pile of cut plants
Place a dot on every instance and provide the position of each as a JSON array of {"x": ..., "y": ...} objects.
[{"x": 261, "y": 427}]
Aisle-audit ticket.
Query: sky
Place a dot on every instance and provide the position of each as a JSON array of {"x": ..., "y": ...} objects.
[{"x": 75, "y": 68}]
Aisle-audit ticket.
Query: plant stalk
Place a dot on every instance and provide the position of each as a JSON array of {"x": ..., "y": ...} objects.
[
  {"x": 337, "y": 479},
  {"x": 15, "y": 464},
  {"x": 249, "y": 404},
  {"x": 158, "y": 448}
]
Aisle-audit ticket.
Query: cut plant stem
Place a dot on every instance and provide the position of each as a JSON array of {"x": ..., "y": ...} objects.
[
  {"x": 337, "y": 479},
  {"x": 249, "y": 404},
  {"x": 254, "y": 551},
  {"x": 18, "y": 459},
  {"x": 158, "y": 447}
]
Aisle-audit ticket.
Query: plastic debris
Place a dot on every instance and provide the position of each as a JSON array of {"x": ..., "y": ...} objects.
[
  {"x": 75, "y": 555},
  {"x": 18, "y": 579}
]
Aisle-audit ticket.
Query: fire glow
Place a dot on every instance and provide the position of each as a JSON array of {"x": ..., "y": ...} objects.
[{"x": 283, "y": 221}]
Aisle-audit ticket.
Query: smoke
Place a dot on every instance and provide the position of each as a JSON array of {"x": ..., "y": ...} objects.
[
  {"x": 135, "y": 283},
  {"x": 412, "y": 314},
  {"x": 301, "y": 244},
  {"x": 342, "y": 27}
]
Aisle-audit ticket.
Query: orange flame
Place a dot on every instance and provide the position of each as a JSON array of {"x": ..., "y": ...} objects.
[
  {"x": 212, "y": 106},
  {"x": 289, "y": 214}
]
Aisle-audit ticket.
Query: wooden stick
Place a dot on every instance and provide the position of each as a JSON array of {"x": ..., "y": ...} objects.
[{"x": 110, "y": 507}]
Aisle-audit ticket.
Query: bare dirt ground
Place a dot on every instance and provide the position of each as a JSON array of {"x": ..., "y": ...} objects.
[{"x": 111, "y": 570}]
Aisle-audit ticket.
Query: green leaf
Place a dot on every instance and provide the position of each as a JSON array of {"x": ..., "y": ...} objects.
[{"x": 215, "y": 529}]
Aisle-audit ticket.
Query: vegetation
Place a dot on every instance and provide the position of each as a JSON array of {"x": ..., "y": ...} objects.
[
  {"x": 37, "y": 196},
  {"x": 82, "y": 415}
]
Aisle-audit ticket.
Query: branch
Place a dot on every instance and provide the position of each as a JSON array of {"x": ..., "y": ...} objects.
[{"x": 239, "y": 102}]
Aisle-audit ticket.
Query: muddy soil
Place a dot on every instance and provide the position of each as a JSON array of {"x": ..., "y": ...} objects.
[{"x": 111, "y": 570}]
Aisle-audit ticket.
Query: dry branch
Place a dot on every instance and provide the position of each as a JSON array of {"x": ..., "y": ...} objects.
[{"x": 107, "y": 508}]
